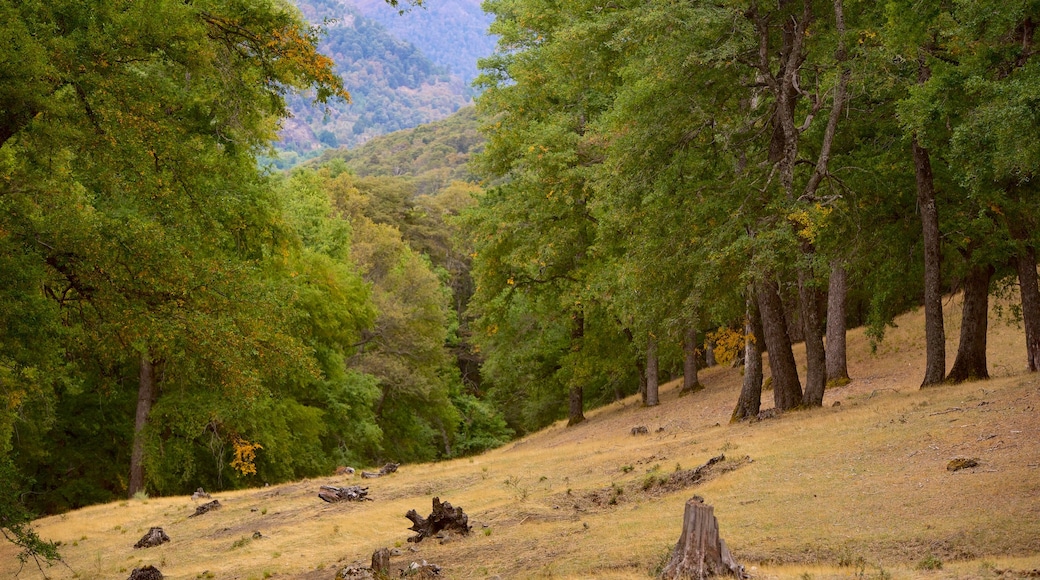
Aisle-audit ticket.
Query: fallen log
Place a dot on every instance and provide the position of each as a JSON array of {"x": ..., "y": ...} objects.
[
  {"x": 154, "y": 537},
  {"x": 700, "y": 553},
  {"x": 206, "y": 507},
  {"x": 385, "y": 470},
  {"x": 444, "y": 517},
  {"x": 332, "y": 494}
]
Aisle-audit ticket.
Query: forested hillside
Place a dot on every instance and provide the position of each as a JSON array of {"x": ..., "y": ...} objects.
[
  {"x": 393, "y": 83},
  {"x": 452, "y": 33},
  {"x": 652, "y": 187},
  {"x": 672, "y": 177}
]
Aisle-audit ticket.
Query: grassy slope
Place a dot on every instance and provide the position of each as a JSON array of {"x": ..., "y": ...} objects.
[{"x": 862, "y": 484}]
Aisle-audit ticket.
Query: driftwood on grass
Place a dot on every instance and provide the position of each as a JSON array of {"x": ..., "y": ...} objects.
[
  {"x": 444, "y": 517},
  {"x": 423, "y": 571},
  {"x": 700, "y": 553},
  {"x": 154, "y": 537},
  {"x": 386, "y": 469},
  {"x": 206, "y": 507},
  {"x": 333, "y": 494},
  {"x": 146, "y": 573}
]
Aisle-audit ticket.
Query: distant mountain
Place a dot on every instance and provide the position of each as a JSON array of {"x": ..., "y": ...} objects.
[
  {"x": 394, "y": 84},
  {"x": 452, "y": 33}
]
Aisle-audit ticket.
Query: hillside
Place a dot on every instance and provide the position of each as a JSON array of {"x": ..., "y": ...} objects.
[
  {"x": 393, "y": 84},
  {"x": 432, "y": 155},
  {"x": 858, "y": 488}
]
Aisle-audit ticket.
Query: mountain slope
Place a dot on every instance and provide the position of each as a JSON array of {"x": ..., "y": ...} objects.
[
  {"x": 855, "y": 490},
  {"x": 393, "y": 85}
]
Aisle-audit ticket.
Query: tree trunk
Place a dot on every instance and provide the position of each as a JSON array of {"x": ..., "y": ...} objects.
[
  {"x": 576, "y": 410},
  {"x": 700, "y": 552},
  {"x": 145, "y": 398},
  {"x": 691, "y": 383},
  {"x": 709, "y": 354},
  {"x": 935, "y": 333},
  {"x": 750, "y": 402},
  {"x": 837, "y": 292},
  {"x": 652, "y": 399},
  {"x": 816, "y": 372},
  {"x": 1027, "y": 283},
  {"x": 970, "y": 363},
  {"x": 787, "y": 390}
]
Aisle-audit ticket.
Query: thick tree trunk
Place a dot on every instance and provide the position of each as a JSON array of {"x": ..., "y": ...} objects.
[
  {"x": 576, "y": 410},
  {"x": 935, "y": 333},
  {"x": 787, "y": 390},
  {"x": 750, "y": 402},
  {"x": 691, "y": 383},
  {"x": 816, "y": 372},
  {"x": 700, "y": 553},
  {"x": 970, "y": 363},
  {"x": 837, "y": 292},
  {"x": 709, "y": 354},
  {"x": 1028, "y": 286},
  {"x": 145, "y": 398},
  {"x": 652, "y": 399}
]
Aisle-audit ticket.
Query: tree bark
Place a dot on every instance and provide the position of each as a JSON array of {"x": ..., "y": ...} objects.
[
  {"x": 816, "y": 372},
  {"x": 750, "y": 401},
  {"x": 145, "y": 399},
  {"x": 935, "y": 333},
  {"x": 837, "y": 294},
  {"x": 576, "y": 410},
  {"x": 700, "y": 553},
  {"x": 970, "y": 363},
  {"x": 787, "y": 390},
  {"x": 691, "y": 383},
  {"x": 652, "y": 399},
  {"x": 709, "y": 354},
  {"x": 1030, "y": 292}
]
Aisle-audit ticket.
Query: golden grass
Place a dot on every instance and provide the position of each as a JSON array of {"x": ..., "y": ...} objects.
[{"x": 859, "y": 490}]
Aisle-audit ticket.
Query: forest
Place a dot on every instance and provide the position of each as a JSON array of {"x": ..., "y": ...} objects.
[{"x": 654, "y": 186}]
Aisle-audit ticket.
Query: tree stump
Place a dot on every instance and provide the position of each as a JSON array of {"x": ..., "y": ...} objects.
[
  {"x": 381, "y": 563},
  {"x": 146, "y": 573},
  {"x": 443, "y": 518},
  {"x": 206, "y": 507},
  {"x": 700, "y": 552},
  {"x": 154, "y": 537},
  {"x": 333, "y": 494}
]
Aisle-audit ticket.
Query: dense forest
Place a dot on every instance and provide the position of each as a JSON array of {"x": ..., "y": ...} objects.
[
  {"x": 766, "y": 171},
  {"x": 655, "y": 186}
]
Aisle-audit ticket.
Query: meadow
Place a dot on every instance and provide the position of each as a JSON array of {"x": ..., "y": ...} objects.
[{"x": 856, "y": 489}]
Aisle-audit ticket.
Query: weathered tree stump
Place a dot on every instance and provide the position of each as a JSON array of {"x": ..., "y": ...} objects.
[
  {"x": 333, "y": 494},
  {"x": 206, "y": 507},
  {"x": 443, "y": 518},
  {"x": 381, "y": 563},
  {"x": 154, "y": 537},
  {"x": 385, "y": 470},
  {"x": 146, "y": 573},
  {"x": 700, "y": 552}
]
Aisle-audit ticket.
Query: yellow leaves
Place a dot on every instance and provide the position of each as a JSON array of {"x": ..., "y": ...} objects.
[
  {"x": 245, "y": 456},
  {"x": 728, "y": 344},
  {"x": 492, "y": 330},
  {"x": 510, "y": 281},
  {"x": 809, "y": 222}
]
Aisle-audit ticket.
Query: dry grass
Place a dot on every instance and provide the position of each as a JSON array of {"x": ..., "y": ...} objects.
[{"x": 859, "y": 490}]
